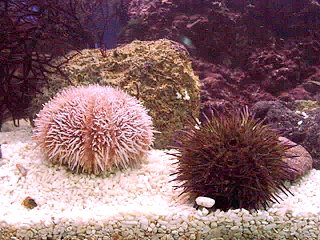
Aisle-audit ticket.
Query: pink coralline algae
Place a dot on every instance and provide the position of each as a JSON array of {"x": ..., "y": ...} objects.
[
  {"x": 275, "y": 70},
  {"x": 243, "y": 51},
  {"x": 94, "y": 129}
]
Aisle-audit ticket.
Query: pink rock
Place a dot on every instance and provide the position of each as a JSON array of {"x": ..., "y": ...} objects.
[{"x": 302, "y": 162}]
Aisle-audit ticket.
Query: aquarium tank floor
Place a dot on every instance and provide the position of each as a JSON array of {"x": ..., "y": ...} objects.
[{"x": 137, "y": 203}]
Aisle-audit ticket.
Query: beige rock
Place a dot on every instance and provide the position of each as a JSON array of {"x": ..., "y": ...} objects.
[{"x": 158, "y": 73}]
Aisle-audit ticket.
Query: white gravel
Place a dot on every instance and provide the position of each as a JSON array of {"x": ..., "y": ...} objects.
[{"x": 135, "y": 204}]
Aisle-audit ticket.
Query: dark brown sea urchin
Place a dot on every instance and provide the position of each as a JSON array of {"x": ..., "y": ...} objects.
[{"x": 234, "y": 159}]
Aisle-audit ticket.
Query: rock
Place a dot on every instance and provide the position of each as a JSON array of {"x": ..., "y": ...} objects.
[
  {"x": 205, "y": 211},
  {"x": 29, "y": 203},
  {"x": 158, "y": 73},
  {"x": 205, "y": 202},
  {"x": 276, "y": 71},
  {"x": 301, "y": 160},
  {"x": 252, "y": 54},
  {"x": 22, "y": 170},
  {"x": 298, "y": 121}
]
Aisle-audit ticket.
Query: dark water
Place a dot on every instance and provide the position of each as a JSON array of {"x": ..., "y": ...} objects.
[{"x": 242, "y": 51}]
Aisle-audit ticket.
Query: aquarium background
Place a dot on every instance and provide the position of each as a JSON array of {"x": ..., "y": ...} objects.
[
  {"x": 243, "y": 51},
  {"x": 209, "y": 74}
]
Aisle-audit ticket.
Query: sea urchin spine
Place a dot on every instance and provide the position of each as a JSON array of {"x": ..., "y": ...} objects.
[
  {"x": 94, "y": 129},
  {"x": 233, "y": 159}
]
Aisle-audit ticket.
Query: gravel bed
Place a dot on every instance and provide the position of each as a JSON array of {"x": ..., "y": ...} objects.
[{"x": 135, "y": 204}]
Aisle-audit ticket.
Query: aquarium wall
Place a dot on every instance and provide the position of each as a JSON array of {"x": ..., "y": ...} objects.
[{"x": 159, "y": 119}]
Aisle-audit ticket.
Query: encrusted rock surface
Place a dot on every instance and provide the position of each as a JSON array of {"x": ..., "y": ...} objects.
[
  {"x": 298, "y": 159},
  {"x": 297, "y": 121},
  {"x": 158, "y": 73},
  {"x": 243, "y": 51}
]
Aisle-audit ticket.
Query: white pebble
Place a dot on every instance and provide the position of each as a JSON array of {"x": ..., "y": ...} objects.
[
  {"x": 205, "y": 202},
  {"x": 144, "y": 222},
  {"x": 205, "y": 212},
  {"x": 71, "y": 204}
]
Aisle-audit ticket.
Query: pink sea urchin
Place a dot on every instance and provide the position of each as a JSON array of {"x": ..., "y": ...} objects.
[{"x": 94, "y": 129}]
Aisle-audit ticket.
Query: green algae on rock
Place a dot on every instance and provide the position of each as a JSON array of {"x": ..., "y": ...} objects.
[
  {"x": 158, "y": 73},
  {"x": 306, "y": 105}
]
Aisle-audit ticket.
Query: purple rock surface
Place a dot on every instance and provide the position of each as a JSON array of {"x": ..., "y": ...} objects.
[{"x": 243, "y": 51}]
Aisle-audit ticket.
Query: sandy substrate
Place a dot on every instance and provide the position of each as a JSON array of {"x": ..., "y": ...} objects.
[{"x": 135, "y": 204}]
